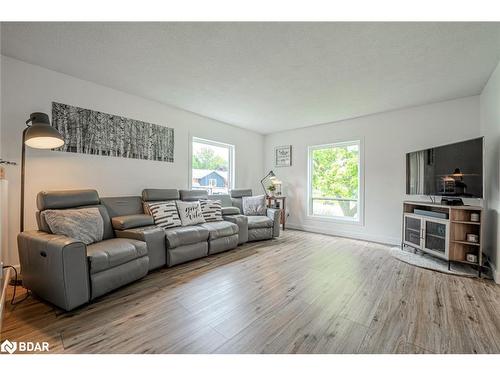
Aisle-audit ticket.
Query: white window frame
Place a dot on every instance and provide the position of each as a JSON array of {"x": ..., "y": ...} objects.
[
  {"x": 230, "y": 147},
  {"x": 361, "y": 185}
]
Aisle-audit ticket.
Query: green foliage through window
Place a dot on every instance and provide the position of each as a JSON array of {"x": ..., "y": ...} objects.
[
  {"x": 335, "y": 179},
  {"x": 206, "y": 158}
]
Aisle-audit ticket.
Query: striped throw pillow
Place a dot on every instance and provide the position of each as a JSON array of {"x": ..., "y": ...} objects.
[
  {"x": 164, "y": 213},
  {"x": 211, "y": 209}
]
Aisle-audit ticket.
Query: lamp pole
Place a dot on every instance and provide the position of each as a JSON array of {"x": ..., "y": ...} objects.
[{"x": 23, "y": 164}]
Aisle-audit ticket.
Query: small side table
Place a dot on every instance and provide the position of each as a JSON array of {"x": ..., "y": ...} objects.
[{"x": 282, "y": 206}]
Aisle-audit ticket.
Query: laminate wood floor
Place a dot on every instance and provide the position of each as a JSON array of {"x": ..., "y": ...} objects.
[{"x": 301, "y": 293}]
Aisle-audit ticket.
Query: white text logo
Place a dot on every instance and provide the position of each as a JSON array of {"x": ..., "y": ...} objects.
[{"x": 24, "y": 346}]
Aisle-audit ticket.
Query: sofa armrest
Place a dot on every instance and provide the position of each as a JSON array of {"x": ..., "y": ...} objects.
[
  {"x": 55, "y": 268},
  {"x": 242, "y": 222},
  {"x": 132, "y": 221},
  {"x": 274, "y": 214},
  {"x": 155, "y": 240},
  {"x": 226, "y": 211}
]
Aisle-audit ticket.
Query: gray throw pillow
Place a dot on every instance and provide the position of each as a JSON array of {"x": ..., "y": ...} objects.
[
  {"x": 83, "y": 224},
  {"x": 211, "y": 210},
  {"x": 190, "y": 213},
  {"x": 254, "y": 206},
  {"x": 164, "y": 213}
]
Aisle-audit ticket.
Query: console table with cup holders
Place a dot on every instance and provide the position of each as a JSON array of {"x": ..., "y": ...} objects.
[{"x": 452, "y": 233}]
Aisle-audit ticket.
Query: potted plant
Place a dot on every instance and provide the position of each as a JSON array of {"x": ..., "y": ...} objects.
[{"x": 272, "y": 189}]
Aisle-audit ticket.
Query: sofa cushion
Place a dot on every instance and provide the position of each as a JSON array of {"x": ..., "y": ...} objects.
[
  {"x": 123, "y": 206},
  {"x": 190, "y": 213},
  {"x": 224, "y": 198},
  {"x": 159, "y": 195},
  {"x": 239, "y": 193},
  {"x": 56, "y": 199},
  {"x": 83, "y": 224},
  {"x": 254, "y": 206},
  {"x": 258, "y": 234},
  {"x": 211, "y": 210},
  {"x": 114, "y": 252},
  {"x": 259, "y": 222},
  {"x": 185, "y": 235},
  {"x": 164, "y": 213},
  {"x": 193, "y": 195},
  {"x": 237, "y": 202},
  {"x": 219, "y": 229},
  {"x": 230, "y": 211}
]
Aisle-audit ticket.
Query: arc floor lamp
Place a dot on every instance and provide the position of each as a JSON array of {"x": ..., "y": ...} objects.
[
  {"x": 37, "y": 134},
  {"x": 271, "y": 176}
]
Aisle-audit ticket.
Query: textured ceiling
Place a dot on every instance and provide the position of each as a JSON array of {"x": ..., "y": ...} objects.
[{"x": 269, "y": 77}]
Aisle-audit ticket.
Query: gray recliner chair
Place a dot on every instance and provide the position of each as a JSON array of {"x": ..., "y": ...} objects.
[
  {"x": 129, "y": 221},
  {"x": 233, "y": 214},
  {"x": 222, "y": 235},
  {"x": 182, "y": 243},
  {"x": 65, "y": 271},
  {"x": 259, "y": 227}
]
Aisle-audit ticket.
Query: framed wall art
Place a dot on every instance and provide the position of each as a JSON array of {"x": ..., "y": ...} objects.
[
  {"x": 97, "y": 133},
  {"x": 283, "y": 156}
]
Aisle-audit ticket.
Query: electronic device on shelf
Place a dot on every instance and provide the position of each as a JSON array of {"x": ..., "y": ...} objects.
[
  {"x": 439, "y": 215},
  {"x": 452, "y": 201}
]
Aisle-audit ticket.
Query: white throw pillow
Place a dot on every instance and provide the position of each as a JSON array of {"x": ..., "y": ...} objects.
[
  {"x": 254, "y": 206},
  {"x": 164, "y": 213},
  {"x": 83, "y": 224},
  {"x": 211, "y": 210},
  {"x": 190, "y": 213}
]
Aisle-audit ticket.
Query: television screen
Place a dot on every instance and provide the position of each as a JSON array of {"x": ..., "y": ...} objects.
[{"x": 454, "y": 170}]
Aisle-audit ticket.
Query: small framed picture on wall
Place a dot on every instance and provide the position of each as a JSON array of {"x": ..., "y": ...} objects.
[{"x": 283, "y": 156}]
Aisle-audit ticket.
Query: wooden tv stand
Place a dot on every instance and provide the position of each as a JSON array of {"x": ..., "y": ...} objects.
[{"x": 444, "y": 237}]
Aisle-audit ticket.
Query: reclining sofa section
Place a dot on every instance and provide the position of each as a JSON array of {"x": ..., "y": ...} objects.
[{"x": 68, "y": 273}]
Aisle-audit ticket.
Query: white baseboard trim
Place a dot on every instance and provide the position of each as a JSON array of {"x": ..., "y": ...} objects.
[
  {"x": 358, "y": 236},
  {"x": 3, "y": 295}
]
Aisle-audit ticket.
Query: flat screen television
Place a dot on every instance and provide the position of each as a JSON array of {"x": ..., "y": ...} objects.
[{"x": 454, "y": 170}]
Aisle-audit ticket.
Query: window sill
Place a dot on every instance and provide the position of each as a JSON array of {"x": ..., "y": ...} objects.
[{"x": 336, "y": 219}]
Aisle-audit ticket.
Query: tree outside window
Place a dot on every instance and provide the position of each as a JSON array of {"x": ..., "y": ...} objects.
[
  {"x": 211, "y": 166},
  {"x": 335, "y": 180}
]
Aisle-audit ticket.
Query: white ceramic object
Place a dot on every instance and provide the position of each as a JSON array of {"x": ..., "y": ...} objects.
[
  {"x": 474, "y": 217},
  {"x": 471, "y": 258},
  {"x": 472, "y": 237}
]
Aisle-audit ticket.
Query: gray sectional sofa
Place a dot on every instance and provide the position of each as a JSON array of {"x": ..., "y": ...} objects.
[{"x": 68, "y": 273}]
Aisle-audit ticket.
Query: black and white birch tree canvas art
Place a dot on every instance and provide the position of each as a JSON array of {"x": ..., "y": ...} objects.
[{"x": 97, "y": 133}]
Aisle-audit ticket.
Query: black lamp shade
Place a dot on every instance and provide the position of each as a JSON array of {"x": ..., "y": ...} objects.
[{"x": 41, "y": 134}]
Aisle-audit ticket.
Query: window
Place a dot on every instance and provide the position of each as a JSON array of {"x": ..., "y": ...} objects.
[
  {"x": 212, "y": 166},
  {"x": 335, "y": 181}
]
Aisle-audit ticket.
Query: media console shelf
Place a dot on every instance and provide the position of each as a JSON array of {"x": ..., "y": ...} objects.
[{"x": 442, "y": 231}]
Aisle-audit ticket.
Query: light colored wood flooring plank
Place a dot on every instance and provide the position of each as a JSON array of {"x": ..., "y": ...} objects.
[{"x": 301, "y": 293}]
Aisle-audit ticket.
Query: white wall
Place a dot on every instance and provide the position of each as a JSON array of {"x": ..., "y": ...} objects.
[
  {"x": 27, "y": 88},
  {"x": 490, "y": 129},
  {"x": 387, "y": 138}
]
